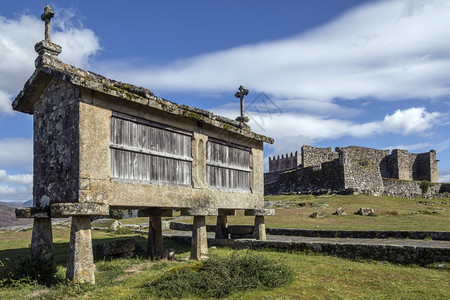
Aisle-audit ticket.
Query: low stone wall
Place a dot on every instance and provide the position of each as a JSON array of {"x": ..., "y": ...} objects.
[
  {"x": 412, "y": 189},
  {"x": 392, "y": 253},
  {"x": 357, "y": 234}
]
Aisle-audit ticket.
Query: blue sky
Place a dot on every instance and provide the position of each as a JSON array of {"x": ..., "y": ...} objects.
[{"x": 324, "y": 73}]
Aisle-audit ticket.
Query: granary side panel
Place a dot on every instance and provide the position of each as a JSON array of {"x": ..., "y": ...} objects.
[
  {"x": 135, "y": 158},
  {"x": 56, "y": 146}
]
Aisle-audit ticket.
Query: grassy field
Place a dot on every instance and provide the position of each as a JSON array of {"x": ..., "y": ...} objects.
[
  {"x": 316, "y": 276},
  {"x": 390, "y": 213}
]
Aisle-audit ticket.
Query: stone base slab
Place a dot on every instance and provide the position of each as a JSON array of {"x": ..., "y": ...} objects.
[
  {"x": 63, "y": 210},
  {"x": 200, "y": 211},
  {"x": 33, "y": 212},
  {"x": 260, "y": 212},
  {"x": 155, "y": 212}
]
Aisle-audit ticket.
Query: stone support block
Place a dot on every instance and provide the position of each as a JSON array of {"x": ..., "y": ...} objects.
[
  {"x": 62, "y": 210},
  {"x": 33, "y": 212},
  {"x": 227, "y": 212},
  {"x": 155, "y": 212},
  {"x": 221, "y": 227},
  {"x": 260, "y": 212},
  {"x": 260, "y": 228},
  {"x": 155, "y": 247},
  {"x": 199, "y": 211},
  {"x": 80, "y": 263},
  {"x": 199, "y": 243},
  {"x": 42, "y": 240}
]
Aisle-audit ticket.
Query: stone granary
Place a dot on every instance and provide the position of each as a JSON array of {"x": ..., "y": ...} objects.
[
  {"x": 102, "y": 144},
  {"x": 348, "y": 169}
]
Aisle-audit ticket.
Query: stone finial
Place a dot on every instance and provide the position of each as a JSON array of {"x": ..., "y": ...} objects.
[
  {"x": 46, "y": 17},
  {"x": 46, "y": 49},
  {"x": 241, "y": 94}
]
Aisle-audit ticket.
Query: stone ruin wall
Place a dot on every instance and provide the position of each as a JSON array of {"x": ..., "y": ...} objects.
[
  {"x": 361, "y": 170},
  {"x": 315, "y": 156}
]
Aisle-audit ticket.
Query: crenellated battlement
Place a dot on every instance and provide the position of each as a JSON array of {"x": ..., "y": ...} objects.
[{"x": 285, "y": 162}]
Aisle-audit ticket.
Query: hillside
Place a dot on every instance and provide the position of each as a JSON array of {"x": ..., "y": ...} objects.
[{"x": 8, "y": 217}]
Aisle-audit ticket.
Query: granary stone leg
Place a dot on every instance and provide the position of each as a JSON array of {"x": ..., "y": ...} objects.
[
  {"x": 221, "y": 227},
  {"x": 155, "y": 245},
  {"x": 199, "y": 245},
  {"x": 260, "y": 228},
  {"x": 42, "y": 240},
  {"x": 80, "y": 264}
]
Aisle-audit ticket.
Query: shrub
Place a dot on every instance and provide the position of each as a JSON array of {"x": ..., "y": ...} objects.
[
  {"x": 221, "y": 276},
  {"x": 24, "y": 271},
  {"x": 425, "y": 186}
]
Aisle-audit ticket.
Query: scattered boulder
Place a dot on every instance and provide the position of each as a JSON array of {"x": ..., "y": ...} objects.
[
  {"x": 169, "y": 254},
  {"x": 340, "y": 212},
  {"x": 317, "y": 215},
  {"x": 117, "y": 248},
  {"x": 108, "y": 224},
  {"x": 363, "y": 211}
]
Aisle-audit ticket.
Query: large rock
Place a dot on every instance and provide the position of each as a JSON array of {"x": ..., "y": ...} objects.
[
  {"x": 111, "y": 224},
  {"x": 118, "y": 248},
  {"x": 317, "y": 215},
  {"x": 340, "y": 212},
  {"x": 365, "y": 211}
]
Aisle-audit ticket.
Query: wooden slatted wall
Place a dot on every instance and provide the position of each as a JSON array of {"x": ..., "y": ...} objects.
[
  {"x": 149, "y": 152},
  {"x": 227, "y": 166}
]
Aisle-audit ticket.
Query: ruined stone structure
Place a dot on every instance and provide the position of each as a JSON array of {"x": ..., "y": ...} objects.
[
  {"x": 102, "y": 144},
  {"x": 349, "y": 169}
]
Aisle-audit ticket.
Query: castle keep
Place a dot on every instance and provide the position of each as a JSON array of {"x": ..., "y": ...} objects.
[{"x": 347, "y": 168}]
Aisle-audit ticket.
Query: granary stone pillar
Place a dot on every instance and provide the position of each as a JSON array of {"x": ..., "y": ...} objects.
[
  {"x": 199, "y": 244},
  {"x": 259, "y": 230},
  {"x": 42, "y": 240},
  {"x": 222, "y": 223},
  {"x": 155, "y": 246},
  {"x": 80, "y": 264}
]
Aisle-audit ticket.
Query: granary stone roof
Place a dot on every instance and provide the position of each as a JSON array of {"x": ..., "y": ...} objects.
[{"x": 49, "y": 67}]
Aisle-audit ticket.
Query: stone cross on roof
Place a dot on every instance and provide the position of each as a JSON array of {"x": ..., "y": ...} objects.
[
  {"x": 47, "y": 16},
  {"x": 241, "y": 94}
]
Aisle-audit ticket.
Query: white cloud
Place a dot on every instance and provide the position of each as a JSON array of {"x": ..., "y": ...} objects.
[
  {"x": 16, "y": 152},
  {"x": 444, "y": 175},
  {"x": 17, "y": 39},
  {"x": 15, "y": 179},
  {"x": 15, "y": 187},
  {"x": 8, "y": 193},
  {"x": 385, "y": 50},
  {"x": 5, "y": 103}
]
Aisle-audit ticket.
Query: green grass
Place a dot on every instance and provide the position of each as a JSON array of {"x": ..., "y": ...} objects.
[
  {"x": 391, "y": 213},
  {"x": 317, "y": 276}
]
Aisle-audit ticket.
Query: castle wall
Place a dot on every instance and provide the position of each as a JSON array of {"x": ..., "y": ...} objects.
[
  {"x": 358, "y": 169},
  {"x": 284, "y": 162},
  {"x": 314, "y": 156},
  {"x": 362, "y": 168},
  {"x": 329, "y": 176}
]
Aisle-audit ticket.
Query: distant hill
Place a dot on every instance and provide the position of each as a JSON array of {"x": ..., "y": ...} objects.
[{"x": 8, "y": 217}]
